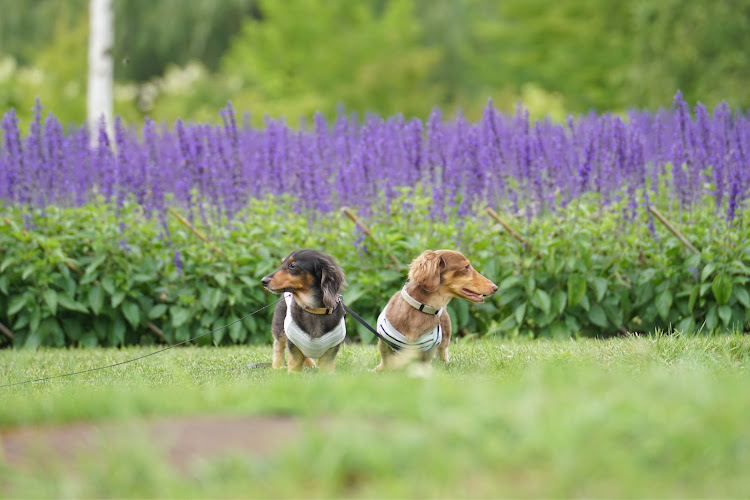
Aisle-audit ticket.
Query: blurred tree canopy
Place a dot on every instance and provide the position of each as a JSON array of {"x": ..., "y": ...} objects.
[{"x": 187, "y": 58}]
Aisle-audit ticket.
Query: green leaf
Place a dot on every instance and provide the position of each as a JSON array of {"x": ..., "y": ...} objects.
[
  {"x": 693, "y": 297},
  {"x": 597, "y": 316},
  {"x": 117, "y": 298},
  {"x": 572, "y": 323},
  {"x": 89, "y": 340},
  {"x": 70, "y": 304},
  {"x": 180, "y": 315},
  {"x": 132, "y": 313},
  {"x": 519, "y": 313},
  {"x": 600, "y": 287},
  {"x": 687, "y": 325},
  {"x": 559, "y": 299},
  {"x": 221, "y": 279},
  {"x": 96, "y": 298},
  {"x": 576, "y": 289},
  {"x": 693, "y": 261},
  {"x": 559, "y": 330},
  {"x": 530, "y": 285},
  {"x": 541, "y": 301},
  {"x": 236, "y": 332},
  {"x": 509, "y": 282},
  {"x": 22, "y": 320},
  {"x": 743, "y": 297},
  {"x": 725, "y": 314},
  {"x": 722, "y": 288},
  {"x": 52, "y": 331},
  {"x": 34, "y": 340},
  {"x": 108, "y": 284},
  {"x": 72, "y": 329},
  {"x": 16, "y": 304},
  {"x": 27, "y": 272},
  {"x": 35, "y": 318},
  {"x": 664, "y": 303},
  {"x": 216, "y": 297},
  {"x": 50, "y": 298},
  {"x": 118, "y": 331},
  {"x": 218, "y": 335},
  {"x": 712, "y": 318},
  {"x": 707, "y": 271},
  {"x": 211, "y": 298},
  {"x": 157, "y": 311},
  {"x": 585, "y": 305},
  {"x": 91, "y": 268},
  {"x": 353, "y": 293},
  {"x": 4, "y": 284},
  {"x": 7, "y": 261}
]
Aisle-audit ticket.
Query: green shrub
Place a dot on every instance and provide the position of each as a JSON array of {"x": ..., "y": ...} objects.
[{"x": 99, "y": 275}]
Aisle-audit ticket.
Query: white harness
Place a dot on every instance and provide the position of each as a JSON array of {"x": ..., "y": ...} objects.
[
  {"x": 311, "y": 348},
  {"x": 397, "y": 340}
]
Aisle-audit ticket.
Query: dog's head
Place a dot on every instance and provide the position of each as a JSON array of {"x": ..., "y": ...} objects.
[
  {"x": 449, "y": 273},
  {"x": 304, "y": 272}
]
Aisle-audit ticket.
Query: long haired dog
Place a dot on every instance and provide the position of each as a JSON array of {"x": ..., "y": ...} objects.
[
  {"x": 309, "y": 322},
  {"x": 415, "y": 319}
]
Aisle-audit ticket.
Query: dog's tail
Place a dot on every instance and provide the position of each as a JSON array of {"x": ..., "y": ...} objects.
[{"x": 259, "y": 365}]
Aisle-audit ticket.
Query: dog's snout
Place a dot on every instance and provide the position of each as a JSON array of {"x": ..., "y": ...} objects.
[
  {"x": 494, "y": 288},
  {"x": 266, "y": 280}
]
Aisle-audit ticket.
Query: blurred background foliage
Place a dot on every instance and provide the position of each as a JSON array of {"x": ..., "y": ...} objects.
[{"x": 176, "y": 58}]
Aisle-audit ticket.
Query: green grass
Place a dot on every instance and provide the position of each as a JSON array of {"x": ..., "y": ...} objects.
[{"x": 632, "y": 417}]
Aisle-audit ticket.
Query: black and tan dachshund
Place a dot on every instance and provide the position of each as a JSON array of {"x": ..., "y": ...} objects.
[{"x": 309, "y": 323}]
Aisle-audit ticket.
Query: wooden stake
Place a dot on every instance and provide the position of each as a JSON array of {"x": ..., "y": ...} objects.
[
  {"x": 156, "y": 330},
  {"x": 349, "y": 213},
  {"x": 673, "y": 229},
  {"x": 200, "y": 235},
  {"x": 512, "y": 231},
  {"x": 7, "y": 331}
]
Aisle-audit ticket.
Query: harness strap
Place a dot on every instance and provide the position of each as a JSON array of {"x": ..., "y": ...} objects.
[{"x": 397, "y": 340}]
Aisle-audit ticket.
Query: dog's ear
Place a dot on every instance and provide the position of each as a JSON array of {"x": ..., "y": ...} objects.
[
  {"x": 331, "y": 281},
  {"x": 425, "y": 270}
]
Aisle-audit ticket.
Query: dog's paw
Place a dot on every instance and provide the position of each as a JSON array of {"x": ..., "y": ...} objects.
[
  {"x": 419, "y": 370},
  {"x": 259, "y": 365}
]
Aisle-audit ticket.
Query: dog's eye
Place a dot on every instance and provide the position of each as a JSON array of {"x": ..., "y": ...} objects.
[
  {"x": 292, "y": 265},
  {"x": 467, "y": 266}
]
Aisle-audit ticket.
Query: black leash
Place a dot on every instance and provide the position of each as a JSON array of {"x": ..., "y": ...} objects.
[
  {"x": 145, "y": 355},
  {"x": 358, "y": 318}
]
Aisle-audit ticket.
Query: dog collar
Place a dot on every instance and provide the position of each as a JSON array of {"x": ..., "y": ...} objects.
[
  {"x": 417, "y": 304},
  {"x": 323, "y": 310}
]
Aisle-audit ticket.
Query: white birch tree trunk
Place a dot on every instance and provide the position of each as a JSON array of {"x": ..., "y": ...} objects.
[{"x": 101, "y": 41}]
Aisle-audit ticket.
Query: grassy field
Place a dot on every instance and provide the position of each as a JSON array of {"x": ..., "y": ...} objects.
[{"x": 630, "y": 417}]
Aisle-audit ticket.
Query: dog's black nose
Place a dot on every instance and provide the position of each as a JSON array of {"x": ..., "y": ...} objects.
[
  {"x": 265, "y": 281},
  {"x": 494, "y": 288}
]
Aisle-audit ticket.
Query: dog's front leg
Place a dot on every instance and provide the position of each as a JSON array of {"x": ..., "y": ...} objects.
[
  {"x": 385, "y": 355},
  {"x": 327, "y": 361},
  {"x": 445, "y": 324},
  {"x": 279, "y": 346},
  {"x": 296, "y": 358}
]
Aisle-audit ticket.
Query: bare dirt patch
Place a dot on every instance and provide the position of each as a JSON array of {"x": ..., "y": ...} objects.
[{"x": 182, "y": 440}]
